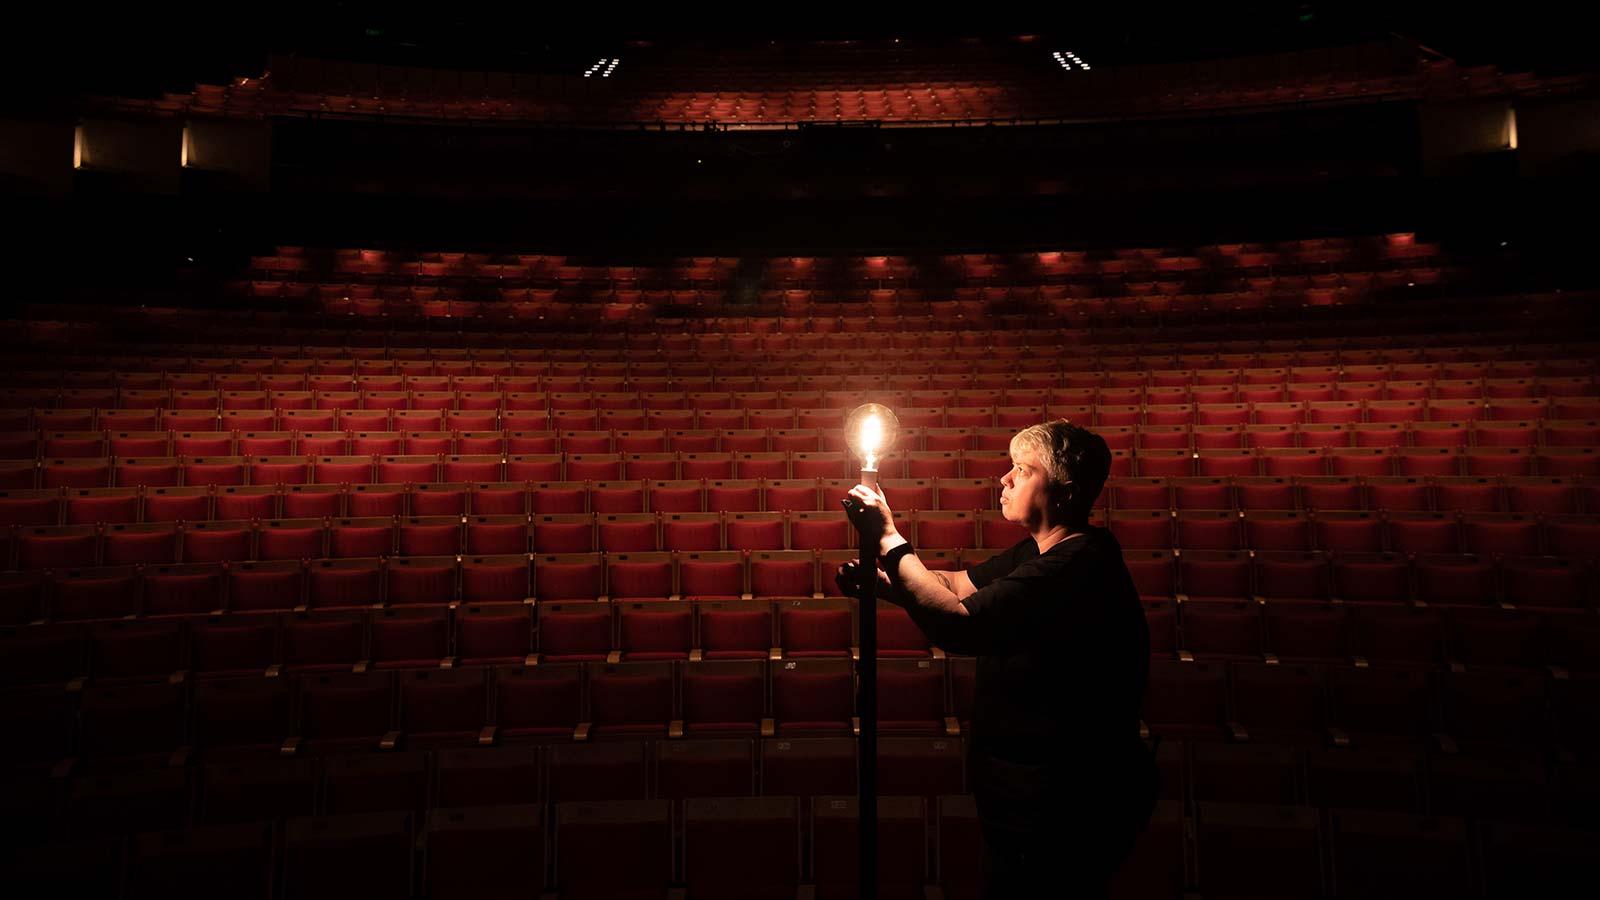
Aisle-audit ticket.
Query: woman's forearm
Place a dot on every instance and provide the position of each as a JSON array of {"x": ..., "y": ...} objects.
[{"x": 920, "y": 586}]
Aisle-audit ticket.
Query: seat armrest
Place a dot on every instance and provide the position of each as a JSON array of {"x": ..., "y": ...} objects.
[
  {"x": 361, "y": 666},
  {"x": 774, "y": 654},
  {"x": 1446, "y": 744},
  {"x": 855, "y": 726},
  {"x": 389, "y": 741},
  {"x": 580, "y": 734},
  {"x": 1185, "y": 656},
  {"x": 769, "y": 727},
  {"x": 855, "y": 653},
  {"x": 273, "y": 671},
  {"x": 675, "y": 729},
  {"x": 615, "y": 656},
  {"x": 290, "y": 746},
  {"x": 487, "y": 735},
  {"x": 936, "y": 653},
  {"x": 697, "y": 655},
  {"x": 449, "y": 662},
  {"x": 1237, "y": 732},
  {"x": 1338, "y": 737},
  {"x": 532, "y": 659},
  {"x": 952, "y": 726}
]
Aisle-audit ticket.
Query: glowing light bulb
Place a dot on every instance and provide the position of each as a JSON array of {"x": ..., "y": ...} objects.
[{"x": 871, "y": 431}]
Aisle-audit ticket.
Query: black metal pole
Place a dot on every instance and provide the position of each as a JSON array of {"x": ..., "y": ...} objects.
[{"x": 867, "y": 710}]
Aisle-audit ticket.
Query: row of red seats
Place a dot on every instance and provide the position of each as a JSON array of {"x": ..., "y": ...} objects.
[
  {"x": 106, "y": 539},
  {"x": 733, "y": 846},
  {"x": 82, "y": 432},
  {"x": 692, "y": 353},
  {"x": 805, "y": 443},
  {"x": 732, "y": 481},
  {"x": 478, "y": 410},
  {"x": 1323, "y": 495},
  {"x": 659, "y": 389},
  {"x": 1499, "y": 534},
  {"x": 290, "y": 349},
  {"x": 1250, "y": 331},
  {"x": 263, "y": 635},
  {"x": 282, "y": 582},
  {"x": 509, "y": 850},
  {"x": 1393, "y": 777},
  {"x": 323, "y": 707},
  {"x": 1032, "y": 386},
  {"x": 142, "y": 724}
]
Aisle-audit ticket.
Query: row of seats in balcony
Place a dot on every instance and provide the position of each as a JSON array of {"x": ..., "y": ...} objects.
[
  {"x": 901, "y": 288},
  {"x": 1396, "y": 245},
  {"x": 940, "y": 94},
  {"x": 1278, "y": 260},
  {"x": 627, "y": 308}
]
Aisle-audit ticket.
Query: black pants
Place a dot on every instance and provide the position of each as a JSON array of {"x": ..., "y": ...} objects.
[{"x": 1058, "y": 830}]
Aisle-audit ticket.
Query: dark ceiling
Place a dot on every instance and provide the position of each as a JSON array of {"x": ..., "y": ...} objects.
[{"x": 134, "y": 53}]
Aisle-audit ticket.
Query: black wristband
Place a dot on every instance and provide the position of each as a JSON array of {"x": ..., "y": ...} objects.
[{"x": 890, "y": 561}]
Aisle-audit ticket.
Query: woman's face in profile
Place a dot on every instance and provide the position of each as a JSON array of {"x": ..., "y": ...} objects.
[{"x": 1023, "y": 494}]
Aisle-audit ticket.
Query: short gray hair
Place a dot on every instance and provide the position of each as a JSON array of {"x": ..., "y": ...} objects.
[{"x": 1067, "y": 453}]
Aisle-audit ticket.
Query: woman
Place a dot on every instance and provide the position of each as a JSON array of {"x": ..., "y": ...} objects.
[{"x": 1062, "y": 781}]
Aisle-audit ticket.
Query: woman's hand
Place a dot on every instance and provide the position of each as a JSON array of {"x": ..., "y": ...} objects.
[
  {"x": 869, "y": 512},
  {"x": 849, "y": 579}
]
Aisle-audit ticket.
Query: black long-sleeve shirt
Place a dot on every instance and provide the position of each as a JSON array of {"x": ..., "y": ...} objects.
[{"x": 1063, "y": 650}]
